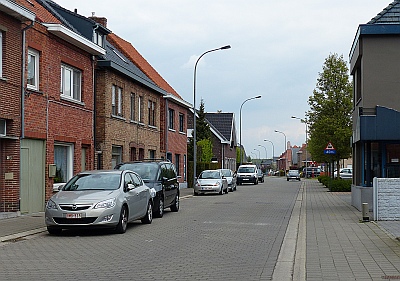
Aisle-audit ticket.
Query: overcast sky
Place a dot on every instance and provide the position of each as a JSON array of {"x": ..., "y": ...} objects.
[{"x": 278, "y": 50}]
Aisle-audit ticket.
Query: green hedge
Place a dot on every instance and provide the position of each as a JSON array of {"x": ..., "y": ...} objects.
[{"x": 335, "y": 185}]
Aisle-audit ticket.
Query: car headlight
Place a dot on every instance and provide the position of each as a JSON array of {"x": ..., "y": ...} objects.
[
  {"x": 51, "y": 205},
  {"x": 217, "y": 183},
  {"x": 106, "y": 204}
]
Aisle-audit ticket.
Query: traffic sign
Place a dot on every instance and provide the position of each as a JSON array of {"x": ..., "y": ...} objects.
[{"x": 330, "y": 149}]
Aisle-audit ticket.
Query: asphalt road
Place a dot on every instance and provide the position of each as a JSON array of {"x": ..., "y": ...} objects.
[{"x": 235, "y": 236}]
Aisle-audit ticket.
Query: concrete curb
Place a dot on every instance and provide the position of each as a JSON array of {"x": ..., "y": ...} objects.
[
  {"x": 293, "y": 246},
  {"x": 22, "y": 234}
]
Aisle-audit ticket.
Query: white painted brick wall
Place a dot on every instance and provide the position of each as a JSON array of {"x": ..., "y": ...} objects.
[{"x": 386, "y": 198}]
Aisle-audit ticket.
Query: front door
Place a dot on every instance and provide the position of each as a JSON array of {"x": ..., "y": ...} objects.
[{"x": 32, "y": 190}]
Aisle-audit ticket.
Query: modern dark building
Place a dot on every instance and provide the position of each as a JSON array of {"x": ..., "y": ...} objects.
[{"x": 374, "y": 65}]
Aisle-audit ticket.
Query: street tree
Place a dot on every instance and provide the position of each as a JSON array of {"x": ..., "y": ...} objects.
[
  {"x": 203, "y": 132},
  {"x": 329, "y": 117}
]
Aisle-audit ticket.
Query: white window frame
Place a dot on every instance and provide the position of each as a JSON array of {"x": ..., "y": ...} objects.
[
  {"x": 116, "y": 101},
  {"x": 33, "y": 55},
  {"x": 69, "y": 158},
  {"x": 1, "y": 54},
  {"x": 140, "y": 110},
  {"x": 67, "y": 88},
  {"x": 133, "y": 103}
]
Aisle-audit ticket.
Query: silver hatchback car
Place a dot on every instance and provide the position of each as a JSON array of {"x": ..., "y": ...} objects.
[
  {"x": 211, "y": 181},
  {"x": 102, "y": 198}
]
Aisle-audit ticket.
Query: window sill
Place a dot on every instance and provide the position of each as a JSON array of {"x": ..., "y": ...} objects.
[
  {"x": 3, "y": 79},
  {"x": 182, "y": 133},
  {"x": 72, "y": 100},
  {"x": 152, "y": 127},
  {"x": 171, "y": 130},
  {"x": 118, "y": 117},
  {"x": 29, "y": 91}
]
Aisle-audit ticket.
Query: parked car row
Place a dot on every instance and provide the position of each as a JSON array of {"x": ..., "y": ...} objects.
[{"x": 114, "y": 198}]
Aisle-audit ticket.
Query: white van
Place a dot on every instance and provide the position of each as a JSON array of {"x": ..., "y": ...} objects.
[{"x": 247, "y": 174}]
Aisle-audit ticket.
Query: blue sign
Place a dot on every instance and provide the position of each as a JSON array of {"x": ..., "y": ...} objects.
[{"x": 330, "y": 151}]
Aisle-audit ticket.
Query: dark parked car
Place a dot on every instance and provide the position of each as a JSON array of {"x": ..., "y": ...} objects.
[
  {"x": 311, "y": 172},
  {"x": 260, "y": 175},
  {"x": 160, "y": 175}
]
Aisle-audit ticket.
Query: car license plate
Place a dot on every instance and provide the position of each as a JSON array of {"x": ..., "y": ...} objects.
[
  {"x": 245, "y": 179},
  {"x": 73, "y": 216}
]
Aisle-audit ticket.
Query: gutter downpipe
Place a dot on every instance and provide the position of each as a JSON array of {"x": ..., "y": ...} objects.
[
  {"x": 23, "y": 79},
  {"x": 22, "y": 106}
]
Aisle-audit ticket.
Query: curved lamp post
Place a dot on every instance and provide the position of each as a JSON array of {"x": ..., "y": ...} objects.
[
  {"x": 266, "y": 157},
  {"x": 305, "y": 122},
  {"x": 240, "y": 117},
  {"x": 273, "y": 149},
  {"x": 194, "y": 108},
  {"x": 276, "y": 131}
]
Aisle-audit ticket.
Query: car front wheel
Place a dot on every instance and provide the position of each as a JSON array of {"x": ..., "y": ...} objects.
[
  {"x": 123, "y": 221},
  {"x": 175, "y": 206},
  {"x": 148, "y": 218},
  {"x": 160, "y": 210}
]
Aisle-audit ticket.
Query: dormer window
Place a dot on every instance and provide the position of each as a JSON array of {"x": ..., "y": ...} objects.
[{"x": 98, "y": 39}]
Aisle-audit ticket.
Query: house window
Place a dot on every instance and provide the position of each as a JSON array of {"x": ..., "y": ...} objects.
[
  {"x": 98, "y": 38},
  {"x": 152, "y": 154},
  {"x": 184, "y": 167},
  {"x": 169, "y": 156},
  {"x": 71, "y": 79},
  {"x": 133, "y": 153},
  {"x": 33, "y": 70},
  {"x": 1, "y": 54},
  {"x": 132, "y": 106},
  {"x": 171, "y": 114},
  {"x": 181, "y": 122},
  {"x": 116, "y": 100},
  {"x": 177, "y": 163},
  {"x": 140, "y": 109},
  {"x": 152, "y": 112},
  {"x": 63, "y": 158},
  {"x": 116, "y": 156}
]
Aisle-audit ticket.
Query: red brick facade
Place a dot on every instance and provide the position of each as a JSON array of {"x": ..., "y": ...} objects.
[
  {"x": 10, "y": 111},
  {"x": 51, "y": 117}
]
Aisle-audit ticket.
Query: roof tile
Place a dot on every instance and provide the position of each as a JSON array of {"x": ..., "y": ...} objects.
[{"x": 130, "y": 52}]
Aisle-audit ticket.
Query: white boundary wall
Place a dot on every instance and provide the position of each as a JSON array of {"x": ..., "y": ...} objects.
[{"x": 386, "y": 199}]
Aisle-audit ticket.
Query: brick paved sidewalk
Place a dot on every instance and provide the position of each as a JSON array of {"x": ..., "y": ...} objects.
[{"x": 339, "y": 246}]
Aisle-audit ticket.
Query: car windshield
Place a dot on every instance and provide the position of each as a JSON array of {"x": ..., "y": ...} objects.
[
  {"x": 210, "y": 175},
  {"x": 147, "y": 171},
  {"x": 226, "y": 173},
  {"x": 246, "y": 170},
  {"x": 293, "y": 172},
  {"x": 93, "y": 182}
]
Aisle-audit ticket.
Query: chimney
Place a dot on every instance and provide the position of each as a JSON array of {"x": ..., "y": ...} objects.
[{"x": 102, "y": 20}]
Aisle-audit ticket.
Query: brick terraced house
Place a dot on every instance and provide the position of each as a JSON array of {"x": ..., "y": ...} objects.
[
  {"x": 14, "y": 19},
  {"x": 56, "y": 108}
]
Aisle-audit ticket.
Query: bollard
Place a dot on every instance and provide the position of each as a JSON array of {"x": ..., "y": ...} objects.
[{"x": 365, "y": 212}]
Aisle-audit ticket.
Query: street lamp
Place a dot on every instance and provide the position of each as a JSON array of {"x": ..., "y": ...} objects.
[
  {"x": 266, "y": 157},
  {"x": 276, "y": 131},
  {"x": 259, "y": 155},
  {"x": 305, "y": 122},
  {"x": 240, "y": 117},
  {"x": 194, "y": 108},
  {"x": 273, "y": 149}
]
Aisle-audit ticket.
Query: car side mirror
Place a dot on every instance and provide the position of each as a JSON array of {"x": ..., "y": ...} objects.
[{"x": 130, "y": 186}]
